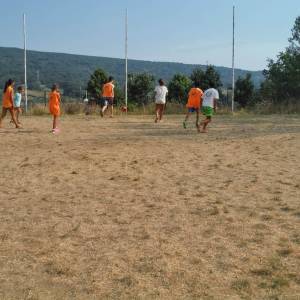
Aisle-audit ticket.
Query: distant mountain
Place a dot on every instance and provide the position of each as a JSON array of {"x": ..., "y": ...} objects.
[{"x": 73, "y": 71}]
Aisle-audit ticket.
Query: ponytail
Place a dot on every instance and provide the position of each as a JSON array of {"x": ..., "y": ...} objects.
[{"x": 8, "y": 83}]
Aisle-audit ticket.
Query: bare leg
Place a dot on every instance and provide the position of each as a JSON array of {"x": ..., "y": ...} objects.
[
  {"x": 3, "y": 114},
  {"x": 186, "y": 119},
  {"x": 161, "y": 111},
  {"x": 197, "y": 120},
  {"x": 157, "y": 113},
  {"x": 205, "y": 123},
  {"x": 13, "y": 117},
  {"x": 111, "y": 110},
  {"x": 18, "y": 112},
  {"x": 55, "y": 121},
  {"x": 187, "y": 116},
  {"x": 104, "y": 108}
]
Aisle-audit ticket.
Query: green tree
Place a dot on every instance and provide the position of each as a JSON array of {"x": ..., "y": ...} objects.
[
  {"x": 179, "y": 88},
  {"x": 141, "y": 88},
  {"x": 119, "y": 95},
  {"x": 209, "y": 78},
  {"x": 198, "y": 76},
  {"x": 244, "y": 91},
  {"x": 97, "y": 79},
  {"x": 295, "y": 39},
  {"x": 283, "y": 75}
]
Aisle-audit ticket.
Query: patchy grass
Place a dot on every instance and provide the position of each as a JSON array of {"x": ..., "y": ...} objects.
[{"x": 124, "y": 208}]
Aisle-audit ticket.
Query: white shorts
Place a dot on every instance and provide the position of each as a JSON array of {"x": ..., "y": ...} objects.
[{"x": 160, "y": 102}]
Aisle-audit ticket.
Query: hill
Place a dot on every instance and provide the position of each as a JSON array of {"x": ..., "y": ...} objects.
[{"x": 73, "y": 71}]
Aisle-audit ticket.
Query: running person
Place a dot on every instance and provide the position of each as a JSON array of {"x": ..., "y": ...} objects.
[
  {"x": 8, "y": 102},
  {"x": 209, "y": 107},
  {"x": 194, "y": 104},
  {"x": 108, "y": 96},
  {"x": 161, "y": 92}
]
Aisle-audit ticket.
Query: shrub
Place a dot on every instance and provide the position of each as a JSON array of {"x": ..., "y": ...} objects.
[
  {"x": 72, "y": 108},
  {"x": 39, "y": 110}
]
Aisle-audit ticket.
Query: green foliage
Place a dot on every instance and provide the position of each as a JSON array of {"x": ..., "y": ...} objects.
[
  {"x": 210, "y": 78},
  {"x": 141, "y": 88},
  {"x": 179, "y": 88},
  {"x": 119, "y": 95},
  {"x": 198, "y": 76},
  {"x": 73, "y": 71},
  {"x": 244, "y": 91},
  {"x": 283, "y": 75},
  {"x": 72, "y": 108},
  {"x": 295, "y": 39},
  {"x": 95, "y": 84}
]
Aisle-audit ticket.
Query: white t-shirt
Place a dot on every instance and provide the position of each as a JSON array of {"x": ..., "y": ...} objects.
[
  {"x": 209, "y": 96},
  {"x": 161, "y": 92}
]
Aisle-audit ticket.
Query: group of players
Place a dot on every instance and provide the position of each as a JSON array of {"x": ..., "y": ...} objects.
[{"x": 198, "y": 101}]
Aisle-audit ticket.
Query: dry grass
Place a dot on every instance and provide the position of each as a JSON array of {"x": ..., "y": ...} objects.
[{"x": 126, "y": 209}]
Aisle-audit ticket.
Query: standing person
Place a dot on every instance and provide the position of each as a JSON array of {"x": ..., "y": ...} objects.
[
  {"x": 8, "y": 102},
  {"x": 209, "y": 107},
  {"x": 108, "y": 96},
  {"x": 17, "y": 103},
  {"x": 194, "y": 104},
  {"x": 161, "y": 92},
  {"x": 54, "y": 106}
]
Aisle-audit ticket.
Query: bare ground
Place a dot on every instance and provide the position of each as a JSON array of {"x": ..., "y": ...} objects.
[{"x": 126, "y": 209}]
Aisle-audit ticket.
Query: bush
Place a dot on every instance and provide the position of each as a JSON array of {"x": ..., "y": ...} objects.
[
  {"x": 73, "y": 108},
  {"x": 287, "y": 107},
  {"x": 39, "y": 110}
]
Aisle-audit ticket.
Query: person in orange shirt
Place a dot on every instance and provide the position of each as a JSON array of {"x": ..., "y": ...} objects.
[
  {"x": 194, "y": 104},
  {"x": 8, "y": 102},
  {"x": 54, "y": 106},
  {"x": 108, "y": 96}
]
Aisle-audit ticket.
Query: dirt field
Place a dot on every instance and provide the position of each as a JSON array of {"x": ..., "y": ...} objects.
[{"x": 127, "y": 209}]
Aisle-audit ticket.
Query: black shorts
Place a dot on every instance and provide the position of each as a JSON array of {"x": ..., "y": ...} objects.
[{"x": 108, "y": 101}]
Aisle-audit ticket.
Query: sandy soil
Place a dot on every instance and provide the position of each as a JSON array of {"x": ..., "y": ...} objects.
[{"x": 126, "y": 209}]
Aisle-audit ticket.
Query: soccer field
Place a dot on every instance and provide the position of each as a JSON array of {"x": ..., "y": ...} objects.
[{"x": 127, "y": 209}]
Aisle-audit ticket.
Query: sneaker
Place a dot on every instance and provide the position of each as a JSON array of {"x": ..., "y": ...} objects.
[{"x": 55, "y": 130}]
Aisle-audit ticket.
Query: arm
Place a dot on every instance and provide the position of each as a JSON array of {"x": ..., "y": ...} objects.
[
  {"x": 12, "y": 97},
  {"x": 215, "y": 104}
]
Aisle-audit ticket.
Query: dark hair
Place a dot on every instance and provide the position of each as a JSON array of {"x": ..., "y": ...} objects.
[
  {"x": 161, "y": 82},
  {"x": 54, "y": 87},
  {"x": 196, "y": 84},
  {"x": 8, "y": 83},
  {"x": 20, "y": 88},
  {"x": 110, "y": 79}
]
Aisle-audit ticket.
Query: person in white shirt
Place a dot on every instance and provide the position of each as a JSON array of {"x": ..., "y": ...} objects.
[
  {"x": 209, "y": 107},
  {"x": 161, "y": 92}
]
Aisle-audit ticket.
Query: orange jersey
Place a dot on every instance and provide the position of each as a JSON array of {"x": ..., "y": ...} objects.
[
  {"x": 7, "y": 101},
  {"x": 195, "y": 98},
  {"x": 108, "y": 90},
  {"x": 54, "y": 103}
]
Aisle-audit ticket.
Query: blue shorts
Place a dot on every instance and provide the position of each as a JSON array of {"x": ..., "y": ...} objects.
[{"x": 193, "y": 109}]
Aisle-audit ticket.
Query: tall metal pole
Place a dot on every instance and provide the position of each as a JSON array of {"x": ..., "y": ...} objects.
[
  {"x": 25, "y": 62},
  {"x": 126, "y": 60},
  {"x": 233, "y": 60}
]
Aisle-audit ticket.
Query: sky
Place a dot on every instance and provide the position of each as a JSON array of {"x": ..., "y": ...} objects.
[{"x": 190, "y": 31}]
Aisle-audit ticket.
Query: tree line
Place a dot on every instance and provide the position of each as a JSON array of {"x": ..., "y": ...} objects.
[{"x": 281, "y": 84}]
